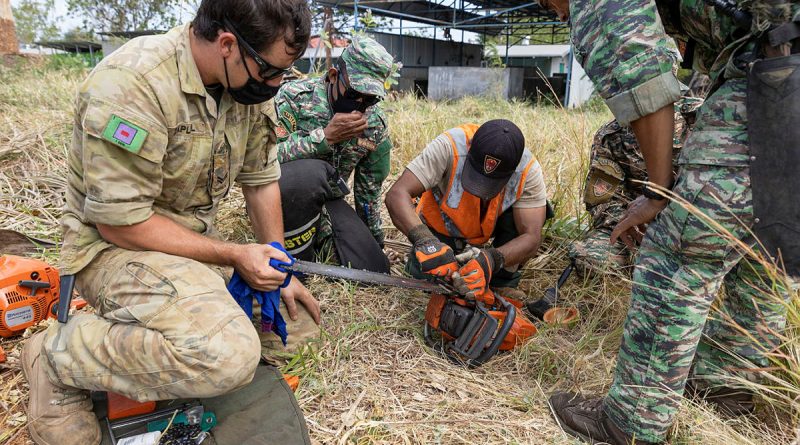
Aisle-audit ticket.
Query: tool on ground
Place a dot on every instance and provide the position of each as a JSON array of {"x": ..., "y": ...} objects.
[
  {"x": 463, "y": 329},
  {"x": 473, "y": 331},
  {"x": 31, "y": 291},
  {"x": 2, "y": 355},
  {"x": 188, "y": 421},
  {"x": 547, "y": 309}
]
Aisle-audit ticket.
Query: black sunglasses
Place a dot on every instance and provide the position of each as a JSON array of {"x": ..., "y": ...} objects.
[
  {"x": 265, "y": 70},
  {"x": 367, "y": 100}
]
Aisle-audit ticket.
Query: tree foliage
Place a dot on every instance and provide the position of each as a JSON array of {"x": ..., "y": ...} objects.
[
  {"x": 125, "y": 15},
  {"x": 35, "y": 20}
]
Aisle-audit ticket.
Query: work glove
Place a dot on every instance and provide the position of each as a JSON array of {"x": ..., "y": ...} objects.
[
  {"x": 435, "y": 257},
  {"x": 473, "y": 278}
]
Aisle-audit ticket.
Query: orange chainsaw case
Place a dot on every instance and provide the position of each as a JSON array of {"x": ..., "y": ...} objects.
[{"x": 18, "y": 308}]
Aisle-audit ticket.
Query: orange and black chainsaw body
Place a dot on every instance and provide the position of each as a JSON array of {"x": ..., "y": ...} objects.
[
  {"x": 472, "y": 332},
  {"x": 29, "y": 291}
]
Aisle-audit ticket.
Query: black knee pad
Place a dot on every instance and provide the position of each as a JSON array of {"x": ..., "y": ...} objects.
[{"x": 305, "y": 186}]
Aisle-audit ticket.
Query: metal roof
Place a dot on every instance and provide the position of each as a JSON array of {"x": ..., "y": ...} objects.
[
  {"x": 493, "y": 17},
  {"x": 72, "y": 46}
]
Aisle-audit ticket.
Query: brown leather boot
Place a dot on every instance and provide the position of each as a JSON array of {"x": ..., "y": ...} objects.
[
  {"x": 58, "y": 414},
  {"x": 731, "y": 402},
  {"x": 584, "y": 418}
]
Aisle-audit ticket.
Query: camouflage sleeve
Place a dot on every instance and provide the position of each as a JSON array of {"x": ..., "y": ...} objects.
[
  {"x": 261, "y": 158},
  {"x": 622, "y": 46},
  {"x": 122, "y": 139},
  {"x": 294, "y": 143},
  {"x": 370, "y": 173}
]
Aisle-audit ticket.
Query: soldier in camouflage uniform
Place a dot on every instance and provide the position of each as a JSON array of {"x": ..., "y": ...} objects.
[
  {"x": 611, "y": 184},
  {"x": 336, "y": 120},
  {"x": 163, "y": 126},
  {"x": 683, "y": 262}
]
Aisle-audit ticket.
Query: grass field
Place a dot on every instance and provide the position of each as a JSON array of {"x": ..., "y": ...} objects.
[{"x": 372, "y": 380}]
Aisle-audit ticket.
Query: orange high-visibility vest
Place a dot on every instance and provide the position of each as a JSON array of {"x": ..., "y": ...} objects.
[{"x": 455, "y": 212}]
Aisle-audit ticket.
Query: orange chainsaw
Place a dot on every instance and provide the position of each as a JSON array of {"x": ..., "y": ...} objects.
[
  {"x": 464, "y": 330},
  {"x": 29, "y": 293}
]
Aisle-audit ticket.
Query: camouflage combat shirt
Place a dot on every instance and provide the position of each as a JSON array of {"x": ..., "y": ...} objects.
[
  {"x": 149, "y": 138},
  {"x": 303, "y": 112},
  {"x": 617, "y": 165}
]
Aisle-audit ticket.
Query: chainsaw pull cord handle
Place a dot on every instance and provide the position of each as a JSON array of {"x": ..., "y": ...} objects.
[
  {"x": 282, "y": 265},
  {"x": 34, "y": 285},
  {"x": 67, "y": 283}
]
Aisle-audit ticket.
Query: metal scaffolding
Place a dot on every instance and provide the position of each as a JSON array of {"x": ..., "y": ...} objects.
[{"x": 514, "y": 20}]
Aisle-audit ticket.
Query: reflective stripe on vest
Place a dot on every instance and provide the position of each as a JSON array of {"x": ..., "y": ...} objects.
[{"x": 454, "y": 212}]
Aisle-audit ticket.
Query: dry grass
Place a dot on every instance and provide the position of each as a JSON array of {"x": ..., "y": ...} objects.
[{"x": 373, "y": 380}]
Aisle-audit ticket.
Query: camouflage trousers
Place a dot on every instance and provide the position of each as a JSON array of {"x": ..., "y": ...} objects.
[
  {"x": 593, "y": 252},
  {"x": 671, "y": 330},
  {"x": 164, "y": 327}
]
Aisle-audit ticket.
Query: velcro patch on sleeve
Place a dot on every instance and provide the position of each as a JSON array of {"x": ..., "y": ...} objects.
[{"x": 125, "y": 134}]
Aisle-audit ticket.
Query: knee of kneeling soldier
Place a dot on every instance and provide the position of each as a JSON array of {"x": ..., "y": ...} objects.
[{"x": 241, "y": 353}]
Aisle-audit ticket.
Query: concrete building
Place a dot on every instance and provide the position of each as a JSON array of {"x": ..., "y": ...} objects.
[{"x": 550, "y": 70}]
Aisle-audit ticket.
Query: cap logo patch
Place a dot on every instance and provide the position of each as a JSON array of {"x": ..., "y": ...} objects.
[{"x": 490, "y": 164}]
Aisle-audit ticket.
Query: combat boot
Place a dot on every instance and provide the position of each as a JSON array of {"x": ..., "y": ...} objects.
[
  {"x": 584, "y": 418},
  {"x": 731, "y": 402},
  {"x": 58, "y": 414}
]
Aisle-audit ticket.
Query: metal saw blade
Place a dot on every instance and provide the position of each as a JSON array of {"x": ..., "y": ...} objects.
[{"x": 366, "y": 276}]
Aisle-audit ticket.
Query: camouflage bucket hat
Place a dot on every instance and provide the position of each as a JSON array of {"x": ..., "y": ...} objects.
[{"x": 369, "y": 66}]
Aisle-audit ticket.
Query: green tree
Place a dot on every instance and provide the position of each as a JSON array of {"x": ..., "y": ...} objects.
[
  {"x": 36, "y": 20},
  {"x": 125, "y": 15}
]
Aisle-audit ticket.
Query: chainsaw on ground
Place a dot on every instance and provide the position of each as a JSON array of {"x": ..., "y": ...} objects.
[
  {"x": 465, "y": 330},
  {"x": 31, "y": 291}
]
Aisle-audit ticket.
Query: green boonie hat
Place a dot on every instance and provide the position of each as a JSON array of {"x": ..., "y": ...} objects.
[{"x": 368, "y": 65}]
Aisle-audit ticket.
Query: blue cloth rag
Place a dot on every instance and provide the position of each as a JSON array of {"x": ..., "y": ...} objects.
[{"x": 271, "y": 318}]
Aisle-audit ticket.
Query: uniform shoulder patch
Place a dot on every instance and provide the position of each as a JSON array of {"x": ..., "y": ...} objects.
[
  {"x": 281, "y": 132},
  {"x": 291, "y": 120},
  {"x": 125, "y": 134}
]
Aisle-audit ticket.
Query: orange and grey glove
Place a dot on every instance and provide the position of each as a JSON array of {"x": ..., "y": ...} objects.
[
  {"x": 435, "y": 257},
  {"x": 473, "y": 278}
]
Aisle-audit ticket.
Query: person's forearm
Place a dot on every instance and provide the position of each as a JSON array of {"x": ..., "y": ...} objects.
[
  {"x": 654, "y": 133},
  {"x": 161, "y": 234},
  {"x": 264, "y": 211},
  {"x": 520, "y": 249},
  {"x": 401, "y": 210}
]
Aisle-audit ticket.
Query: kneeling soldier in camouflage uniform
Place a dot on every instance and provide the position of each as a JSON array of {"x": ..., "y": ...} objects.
[
  {"x": 611, "y": 184},
  {"x": 329, "y": 128},
  {"x": 163, "y": 126},
  {"x": 476, "y": 185}
]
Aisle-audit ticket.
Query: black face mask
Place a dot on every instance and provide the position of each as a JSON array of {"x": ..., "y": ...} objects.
[
  {"x": 349, "y": 101},
  {"x": 252, "y": 92},
  {"x": 344, "y": 104}
]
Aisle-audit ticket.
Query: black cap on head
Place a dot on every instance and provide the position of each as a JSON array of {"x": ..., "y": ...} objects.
[{"x": 496, "y": 149}]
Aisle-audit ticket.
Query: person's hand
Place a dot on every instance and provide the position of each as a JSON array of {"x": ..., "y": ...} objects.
[
  {"x": 472, "y": 279},
  {"x": 435, "y": 257},
  {"x": 345, "y": 126},
  {"x": 295, "y": 292},
  {"x": 640, "y": 212},
  {"x": 252, "y": 263}
]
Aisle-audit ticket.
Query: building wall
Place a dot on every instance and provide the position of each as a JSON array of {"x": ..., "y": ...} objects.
[
  {"x": 424, "y": 52},
  {"x": 455, "y": 82}
]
